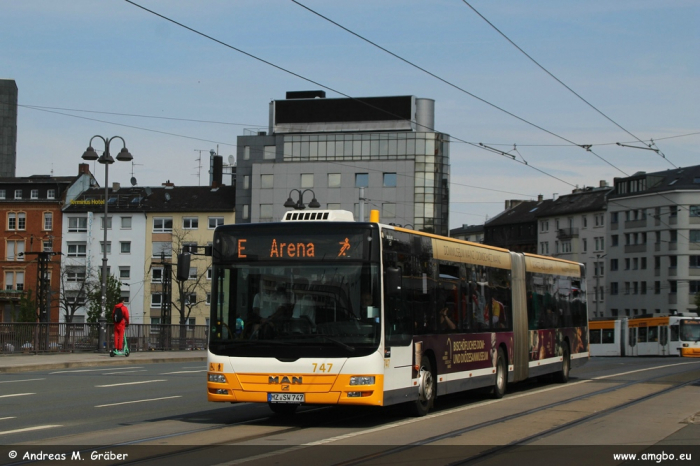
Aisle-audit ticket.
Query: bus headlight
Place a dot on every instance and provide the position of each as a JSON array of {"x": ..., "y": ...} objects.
[
  {"x": 218, "y": 378},
  {"x": 685, "y": 345},
  {"x": 362, "y": 380}
]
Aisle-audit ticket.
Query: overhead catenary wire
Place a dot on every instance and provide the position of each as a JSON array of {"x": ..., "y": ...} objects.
[
  {"x": 557, "y": 79},
  {"x": 587, "y": 147},
  {"x": 325, "y": 86}
]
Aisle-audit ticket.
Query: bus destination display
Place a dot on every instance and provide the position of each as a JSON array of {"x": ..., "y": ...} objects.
[{"x": 293, "y": 246}]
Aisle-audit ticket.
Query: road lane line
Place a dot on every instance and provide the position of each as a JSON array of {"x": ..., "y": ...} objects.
[
  {"x": 183, "y": 372},
  {"x": 129, "y": 383},
  {"x": 11, "y": 417},
  {"x": 17, "y": 394},
  {"x": 95, "y": 370},
  {"x": 23, "y": 380},
  {"x": 124, "y": 372},
  {"x": 27, "y": 429},
  {"x": 138, "y": 401}
]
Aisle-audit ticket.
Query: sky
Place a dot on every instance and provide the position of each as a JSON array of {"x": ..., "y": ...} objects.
[{"x": 111, "y": 68}]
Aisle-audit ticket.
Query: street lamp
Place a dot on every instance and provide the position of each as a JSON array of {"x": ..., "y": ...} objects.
[
  {"x": 106, "y": 160},
  {"x": 299, "y": 205}
]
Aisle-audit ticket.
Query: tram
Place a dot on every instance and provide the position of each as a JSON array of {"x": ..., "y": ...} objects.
[
  {"x": 319, "y": 309},
  {"x": 646, "y": 336}
]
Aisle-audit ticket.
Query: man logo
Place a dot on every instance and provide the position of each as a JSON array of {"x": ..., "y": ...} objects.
[{"x": 284, "y": 379}]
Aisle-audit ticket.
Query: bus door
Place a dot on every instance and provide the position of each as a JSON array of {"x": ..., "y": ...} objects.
[
  {"x": 632, "y": 334},
  {"x": 663, "y": 340},
  {"x": 398, "y": 339}
]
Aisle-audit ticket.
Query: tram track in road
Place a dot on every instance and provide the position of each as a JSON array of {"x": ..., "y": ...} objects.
[{"x": 372, "y": 422}]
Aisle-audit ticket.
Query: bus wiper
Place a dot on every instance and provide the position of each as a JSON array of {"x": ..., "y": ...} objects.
[{"x": 242, "y": 343}]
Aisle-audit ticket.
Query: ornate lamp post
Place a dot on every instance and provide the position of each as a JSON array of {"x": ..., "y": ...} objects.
[
  {"x": 106, "y": 160},
  {"x": 299, "y": 204}
]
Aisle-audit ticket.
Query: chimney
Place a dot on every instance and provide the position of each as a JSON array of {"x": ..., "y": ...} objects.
[
  {"x": 116, "y": 186},
  {"x": 84, "y": 169},
  {"x": 168, "y": 184},
  {"x": 217, "y": 171},
  {"x": 540, "y": 198},
  {"x": 603, "y": 184}
]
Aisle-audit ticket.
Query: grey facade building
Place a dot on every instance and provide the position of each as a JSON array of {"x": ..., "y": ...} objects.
[
  {"x": 653, "y": 244},
  {"x": 380, "y": 151},
  {"x": 8, "y": 127}
]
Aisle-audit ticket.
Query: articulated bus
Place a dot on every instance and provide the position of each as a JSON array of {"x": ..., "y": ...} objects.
[
  {"x": 646, "y": 336},
  {"x": 319, "y": 309}
]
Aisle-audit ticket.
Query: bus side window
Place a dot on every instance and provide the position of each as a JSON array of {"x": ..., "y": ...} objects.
[
  {"x": 595, "y": 336},
  {"x": 608, "y": 336}
]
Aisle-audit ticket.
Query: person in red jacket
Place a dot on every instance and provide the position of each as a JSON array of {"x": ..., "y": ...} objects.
[{"x": 120, "y": 317}]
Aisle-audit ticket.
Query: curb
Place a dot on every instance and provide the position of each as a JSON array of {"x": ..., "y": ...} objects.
[{"x": 109, "y": 362}]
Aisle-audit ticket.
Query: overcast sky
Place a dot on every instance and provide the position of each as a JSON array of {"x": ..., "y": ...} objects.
[{"x": 635, "y": 62}]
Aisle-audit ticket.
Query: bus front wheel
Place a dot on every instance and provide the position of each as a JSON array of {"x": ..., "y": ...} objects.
[
  {"x": 499, "y": 386},
  {"x": 427, "y": 389}
]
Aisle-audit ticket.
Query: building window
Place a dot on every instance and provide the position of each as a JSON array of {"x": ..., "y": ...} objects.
[
  {"x": 613, "y": 288},
  {"x": 307, "y": 180},
  {"x": 208, "y": 298},
  {"x": 694, "y": 262},
  {"x": 48, "y": 221},
  {"x": 125, "y": 247},
  {"x": 215, "y": 222},
  {"x": 162, "y": 224},
  {"x": 333, "y": 206},
  {"x": 34, "y": 194},
  {"x": 77, "y": 224},
  {"x": 584, "y": 244},
  {"x": 156, "y": 300},
  {"x": 613, "y": 217},
  {"x": 50, "y": 194},
  {"x": 190, "y": 223},
  {"x": 389, "y": 180},
  {"x": 2, "y": 194},
  {"x": 246, "y": 152},
  {"x": 643, "y": 287},
  {"x": 11, "y": 221},
  {"x": 266, "y": 211},
  {"x": 657, "y": 287},
  {"x": 124, "y": 273},
  {"x": 361, "y": 180},
  {"x": 246, "y": 181},
  {"x": 269, "y": 152},
  {"x": 109, "y": 223},
  {"x": 162, "y": 248},
  {"x": 47, "y": 245},
  {"x": 77, "y": 249},
  {"x": 16, "y": 221},
  {"x": 389, "y": 210},
  {"x": 584, "y": 220},
  {"x": 694, "y": 210},
  {"x": 267, "y": 181},
  {"x": 613, "y": 264},
  {"x": 673, "y": 285},
  {"x": 193, "y": 273},
  {"x": 157, "y": 275},
  {"x": 126, "y": 223},
  {"x": 694, "y": 236},
  {"x": 102, "y": 247},
  {"x": 246, "y": 212},
  {"x": 614, "y": 239},
  {"x": 75, "y": 274},
  {"x": 334, "y": 180},
  {"x": 191, "y": 298},
  {"x": 18, "y": 194}
]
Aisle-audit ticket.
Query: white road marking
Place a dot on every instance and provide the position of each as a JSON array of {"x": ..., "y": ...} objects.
[
  {"x": 138, "y": 401},
  {"x": 17, "y": 394},
  {"x": 95, "y": 370},
  {"x": 642, "y": 370},
  {"x": 27, "y": 429},
  {"x": 11, "y": 417},
  {"x": 183, "y": 372},
  {"x": 23, "y": 380},
  {"x": 123, "y": 372},
  {"x": 129, "y": 383}
]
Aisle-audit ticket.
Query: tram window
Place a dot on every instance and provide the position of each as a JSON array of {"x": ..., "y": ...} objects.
[
  {"x": 642, "y": 334},
  {"x": 595, "y": 337},
  {"x": 633, "y": 336},
  {"x": 653, "y": 334},
  {"x": 608, "y": 336},
  {"x": 674, "y": 332}
]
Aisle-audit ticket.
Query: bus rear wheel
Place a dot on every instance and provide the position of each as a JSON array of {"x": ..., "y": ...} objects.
[
  {"x": 283, "y": 409},
  {"x": 563, "y": 375},
  {"x": 499, "y": 386},
  {"x": 427, "y": 389}
]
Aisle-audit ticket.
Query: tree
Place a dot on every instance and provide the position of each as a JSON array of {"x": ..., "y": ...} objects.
[
  {"x": 25, "y": 311},
  {"x": 76, "y": 281},
  {"x": 94, "y": 295}
]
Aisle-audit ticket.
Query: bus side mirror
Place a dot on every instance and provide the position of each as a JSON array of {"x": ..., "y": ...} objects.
[{"x": 392, "y": 281}]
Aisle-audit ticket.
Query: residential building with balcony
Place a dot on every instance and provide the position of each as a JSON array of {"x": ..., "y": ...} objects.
[{"x": 653, "y": 243}]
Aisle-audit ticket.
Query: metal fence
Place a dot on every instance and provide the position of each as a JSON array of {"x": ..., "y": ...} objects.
[{"x": 70, "y": 338}]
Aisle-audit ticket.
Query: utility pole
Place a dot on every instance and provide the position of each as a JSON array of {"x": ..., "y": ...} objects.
[
  {"x": 199, "y": 166},
  {"x": 165, "y": 303}
]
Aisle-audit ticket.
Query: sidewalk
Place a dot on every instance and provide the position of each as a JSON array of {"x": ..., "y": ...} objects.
[{"x": 49, "y": 361}]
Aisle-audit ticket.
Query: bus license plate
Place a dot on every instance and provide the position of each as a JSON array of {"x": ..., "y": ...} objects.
[{"x": 285, "y": 397}]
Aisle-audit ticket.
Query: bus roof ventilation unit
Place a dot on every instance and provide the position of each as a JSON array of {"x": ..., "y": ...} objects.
[{"x": 318, "y": 216}]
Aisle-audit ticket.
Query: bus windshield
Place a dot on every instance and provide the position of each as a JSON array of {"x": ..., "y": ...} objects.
[
  {"x": 287, "y": 310},
  {"x": 690, "y": 330}
]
